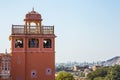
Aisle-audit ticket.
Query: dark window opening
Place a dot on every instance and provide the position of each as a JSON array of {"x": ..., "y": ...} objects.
[
  {"x": 5, "y": 68},
  {"x": 19, "y": 43},
  {"x": 33, "y": 43},
  {"x": 47, "y": 43}
]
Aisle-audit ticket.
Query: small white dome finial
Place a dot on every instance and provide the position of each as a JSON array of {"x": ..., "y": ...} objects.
[
  {"x": 33, "y": 9},
  {"x": 6, "y": 51}
]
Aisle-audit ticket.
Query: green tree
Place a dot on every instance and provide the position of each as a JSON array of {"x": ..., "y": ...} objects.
[
  {"x": 101, "y": 72},
  {"x": 105, "y": 73},
  {"x": 99, "y": 78},
  {"x": 114, "y": 73},
  {"x": 82, "y": 74},
  {"x": 62, "y": 75}
]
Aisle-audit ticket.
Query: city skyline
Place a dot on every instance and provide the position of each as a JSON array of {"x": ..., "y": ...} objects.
[{"x": 86, "y": 30}]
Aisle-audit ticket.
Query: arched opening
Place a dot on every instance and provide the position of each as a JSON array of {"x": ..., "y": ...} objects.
[
  {"x": 33, "y": 43},
  {"x": 19, "y": 43},
  {"x": 47, "y": 43},
  {"x": 33, "y": 24}
]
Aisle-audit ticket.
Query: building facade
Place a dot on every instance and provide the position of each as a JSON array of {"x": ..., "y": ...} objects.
[
  {"x": 33, "y": 49},
  {"x": 5, "y": 63}
]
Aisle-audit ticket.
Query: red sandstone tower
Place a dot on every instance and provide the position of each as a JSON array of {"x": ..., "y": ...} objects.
[{"x": 33, "y": 49}]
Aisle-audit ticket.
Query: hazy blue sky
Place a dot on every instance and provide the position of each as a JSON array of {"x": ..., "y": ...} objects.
[{"x": 86, "y": 30}]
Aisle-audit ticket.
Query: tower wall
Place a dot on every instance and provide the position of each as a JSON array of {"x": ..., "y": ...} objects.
[
  {"x": 33, "y": 50},
  {"x": 18, "y": 66}
]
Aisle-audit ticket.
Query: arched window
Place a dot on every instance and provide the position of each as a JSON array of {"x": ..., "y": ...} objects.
[
  {"x": 32, "y": 24},
  {"x": 19, "y": 43},
  {"x": 47, "y": 43},
  {"x": 33, "y": 43}
]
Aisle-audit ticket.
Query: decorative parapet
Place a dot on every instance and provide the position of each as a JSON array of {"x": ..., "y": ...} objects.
[{"x": 22, "y": 29}]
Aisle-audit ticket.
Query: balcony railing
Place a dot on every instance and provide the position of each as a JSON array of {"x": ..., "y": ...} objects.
[{"x": 22, "y": 29}]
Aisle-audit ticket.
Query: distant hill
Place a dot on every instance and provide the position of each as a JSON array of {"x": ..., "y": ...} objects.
[{"x": 113, "y": 61}]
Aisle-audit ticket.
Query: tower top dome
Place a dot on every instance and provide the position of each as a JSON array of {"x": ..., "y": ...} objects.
[{"x": 33, "y": 15}]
